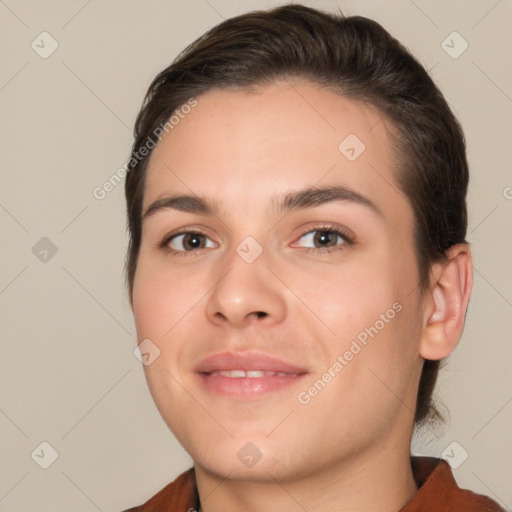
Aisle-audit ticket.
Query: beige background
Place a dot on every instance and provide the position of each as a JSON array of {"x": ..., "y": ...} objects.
[{"x": 68, "y": 373}]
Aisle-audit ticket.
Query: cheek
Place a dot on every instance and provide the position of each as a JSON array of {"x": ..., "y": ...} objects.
[
  {"x": 368, "y": 303},
  {"x": 168, "y": 307},
  {"x": 350, "y": 297},
  {"x": 160, "y": 299}
]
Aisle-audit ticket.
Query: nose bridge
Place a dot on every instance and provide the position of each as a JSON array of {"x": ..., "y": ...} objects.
[{"x": 246, "y": 289}]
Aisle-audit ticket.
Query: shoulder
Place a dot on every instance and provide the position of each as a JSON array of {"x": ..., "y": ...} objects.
[
  {"x": 177, "y": 496},
  {"x": 439, "y": 491}
]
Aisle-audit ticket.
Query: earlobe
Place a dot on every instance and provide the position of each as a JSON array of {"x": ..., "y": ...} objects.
[{"x": 446, "y": 303}]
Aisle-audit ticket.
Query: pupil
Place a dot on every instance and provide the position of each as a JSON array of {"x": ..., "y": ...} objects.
[
  {"x": 325, "y": 236},
  {"x": 192, "y": 240}
]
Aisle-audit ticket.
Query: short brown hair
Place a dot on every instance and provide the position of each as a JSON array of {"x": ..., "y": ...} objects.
[{"x": 355, "y": 57}]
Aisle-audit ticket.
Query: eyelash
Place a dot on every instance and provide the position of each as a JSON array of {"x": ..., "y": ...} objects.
[{"x": 331, "y": 228}]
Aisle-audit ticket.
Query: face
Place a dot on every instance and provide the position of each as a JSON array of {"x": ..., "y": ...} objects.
[{"x": 286, "y": 319}]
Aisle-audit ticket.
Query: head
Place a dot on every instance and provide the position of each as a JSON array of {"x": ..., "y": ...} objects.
[{"x": 266, "y": 104}]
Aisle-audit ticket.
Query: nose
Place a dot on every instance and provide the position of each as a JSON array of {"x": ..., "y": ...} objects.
[{"x": 248, "y": 293}]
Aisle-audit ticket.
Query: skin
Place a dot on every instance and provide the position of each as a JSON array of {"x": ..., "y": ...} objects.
[{"x": 349, "y": 447}]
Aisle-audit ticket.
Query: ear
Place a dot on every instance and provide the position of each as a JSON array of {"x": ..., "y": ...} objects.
[{"x": 446, "y": 302}]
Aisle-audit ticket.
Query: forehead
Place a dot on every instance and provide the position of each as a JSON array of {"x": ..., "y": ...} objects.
[{"x": 244, "y": 148}]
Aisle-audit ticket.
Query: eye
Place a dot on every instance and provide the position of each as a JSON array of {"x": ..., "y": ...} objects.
[
  {"x": 187, "y": 241},
  {"x": 324, "y": 239}
]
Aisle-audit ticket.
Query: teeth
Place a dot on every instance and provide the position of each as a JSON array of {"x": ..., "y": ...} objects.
[
  {"x": 255, "y": 373},
  {"x": 233, "y": 373},
  {"x": 237, "y": 374}
]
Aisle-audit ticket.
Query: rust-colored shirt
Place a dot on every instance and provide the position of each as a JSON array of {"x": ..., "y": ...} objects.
[{"x": 438, "y": 492}]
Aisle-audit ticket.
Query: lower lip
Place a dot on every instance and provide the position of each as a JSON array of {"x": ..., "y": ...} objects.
[{"x": 248, "y": 387}]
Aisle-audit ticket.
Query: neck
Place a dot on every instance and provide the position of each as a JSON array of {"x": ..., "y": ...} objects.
[{"x": 378, "y": 482}]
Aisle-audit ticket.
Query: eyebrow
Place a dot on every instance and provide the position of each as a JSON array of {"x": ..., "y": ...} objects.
[{"x": 296, "y": 200}]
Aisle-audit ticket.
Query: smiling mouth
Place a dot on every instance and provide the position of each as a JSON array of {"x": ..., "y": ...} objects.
[
  {"x": 251, "y": 374},
  {"x": 246, "y": 375},
  {"x": 248, "y": 384}
]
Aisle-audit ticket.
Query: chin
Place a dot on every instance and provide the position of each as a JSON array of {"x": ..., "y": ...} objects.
[{"x": 259, "y": 460}]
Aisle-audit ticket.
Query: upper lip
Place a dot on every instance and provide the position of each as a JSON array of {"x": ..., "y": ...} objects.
[{"x": 247, "y": 362}]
